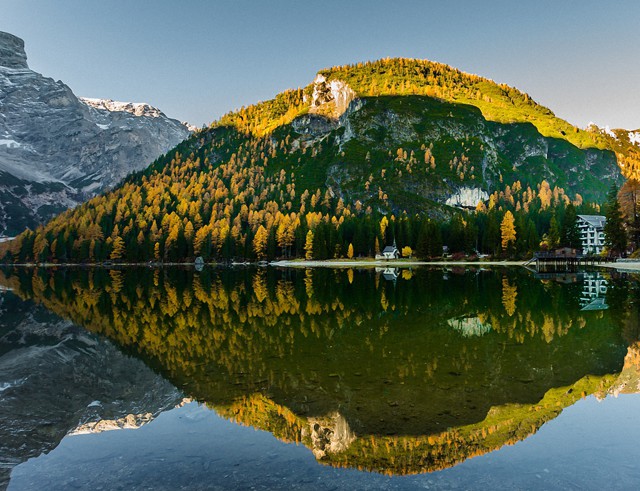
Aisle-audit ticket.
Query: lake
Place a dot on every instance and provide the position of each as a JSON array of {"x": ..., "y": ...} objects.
[{"x": 267, "y": 378}]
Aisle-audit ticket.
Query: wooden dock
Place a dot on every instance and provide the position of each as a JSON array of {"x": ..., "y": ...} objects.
[{"x": 553, "y": 261}]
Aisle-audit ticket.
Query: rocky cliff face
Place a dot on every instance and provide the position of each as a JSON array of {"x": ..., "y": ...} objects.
[
  {"x": 57, "y": 150},
  {"x": 472, "y": 156},
  {"x": 55, "y": 379}
]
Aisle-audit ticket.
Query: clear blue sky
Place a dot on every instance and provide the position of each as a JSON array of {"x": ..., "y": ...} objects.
[{"x": 196, "y": 60}]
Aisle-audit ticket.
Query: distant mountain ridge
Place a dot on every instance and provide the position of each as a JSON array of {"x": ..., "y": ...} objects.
[{"x": 57, "y": 150}]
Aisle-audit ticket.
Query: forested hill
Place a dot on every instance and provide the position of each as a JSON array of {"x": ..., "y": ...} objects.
[
  {"x": 401, "y": 76},
  {"x": 363, "y": 155}
]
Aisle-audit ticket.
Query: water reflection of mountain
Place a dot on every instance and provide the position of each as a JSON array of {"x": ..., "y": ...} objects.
[
  {"x": 56, "y": 378},
  {"x": 366, "y": 372}
]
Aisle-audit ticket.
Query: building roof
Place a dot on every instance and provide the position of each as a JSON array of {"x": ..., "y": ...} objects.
[
  {"x": 390, "y": 274},
  {"x": 596, "y": 304},
  {"x": 594, "y": 220},
  {"x": 389, "y": 249}
]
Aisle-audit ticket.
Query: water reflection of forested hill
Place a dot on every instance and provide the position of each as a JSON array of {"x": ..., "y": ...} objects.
[{"x": 403, "y": 375}]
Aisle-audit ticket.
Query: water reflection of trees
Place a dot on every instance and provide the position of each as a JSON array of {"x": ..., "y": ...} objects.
[{"x": 283, "y": 349}]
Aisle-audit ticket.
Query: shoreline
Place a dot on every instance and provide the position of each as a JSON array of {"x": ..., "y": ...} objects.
[
  {"x": 624, "y": 266},
  {"x": 630, "y": 266},
  {"x": 284, "y": 263},
  {"x": 386, "y": 264}
]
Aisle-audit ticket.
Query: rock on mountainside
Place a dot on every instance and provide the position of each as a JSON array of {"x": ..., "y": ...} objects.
[{"x": 57, "y": 150}]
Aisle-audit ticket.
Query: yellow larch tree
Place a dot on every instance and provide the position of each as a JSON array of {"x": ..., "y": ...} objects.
[
  {"x": 350, "y": 251},
  {"x": 118, "y": 248},
  {"x": 308, "y": 245},
  {"x": 384, "y": 223},
  {"x": 260, "y": 242},
  {"x": 508, "y": 231}
]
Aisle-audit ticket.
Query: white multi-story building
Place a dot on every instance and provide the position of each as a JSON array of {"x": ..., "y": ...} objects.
[{"x": 591, "y": 233}]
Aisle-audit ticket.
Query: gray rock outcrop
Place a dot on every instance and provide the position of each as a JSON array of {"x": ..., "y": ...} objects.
[
  {"x": 12, "y": 53},
  {"x": 57, "y": 150}
]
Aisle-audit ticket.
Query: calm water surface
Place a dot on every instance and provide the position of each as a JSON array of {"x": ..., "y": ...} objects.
[{"x": 318, "y": 379}]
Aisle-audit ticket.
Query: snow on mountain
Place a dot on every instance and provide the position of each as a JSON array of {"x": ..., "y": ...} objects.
[{"x": 135, "y": 108}]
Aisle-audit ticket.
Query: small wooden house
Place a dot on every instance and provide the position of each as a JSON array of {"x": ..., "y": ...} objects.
[{"x": 566, "y": 252}]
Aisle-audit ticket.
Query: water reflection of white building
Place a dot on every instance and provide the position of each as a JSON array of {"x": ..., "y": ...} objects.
[
  {"x": 594, "y": 290},
  {"x": 469, "y": 326},
  {"x": 389, "y": 274}
]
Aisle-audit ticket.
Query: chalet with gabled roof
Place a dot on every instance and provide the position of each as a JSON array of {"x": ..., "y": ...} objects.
[{"x": 391, "y": 252}]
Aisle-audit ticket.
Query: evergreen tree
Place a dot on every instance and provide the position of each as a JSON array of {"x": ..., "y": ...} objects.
[
  {"x": 629, "y": 198},
  {"x": 615, "y": 236},
  {"x": 424, "y": 241},
  {"x": 436, "y": 240},
  {"x": 319, "y": 244},
  {"x": 570, "y": 233},
  {"x": 533, "y": 239},
  {"x": 553, "y": 237},
  {"x": 491, "y": 237}
]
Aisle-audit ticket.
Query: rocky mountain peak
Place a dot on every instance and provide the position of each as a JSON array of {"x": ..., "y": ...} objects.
[
  {"x": 57, "y": 150},
  {"x": 12, "y": 53}
]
